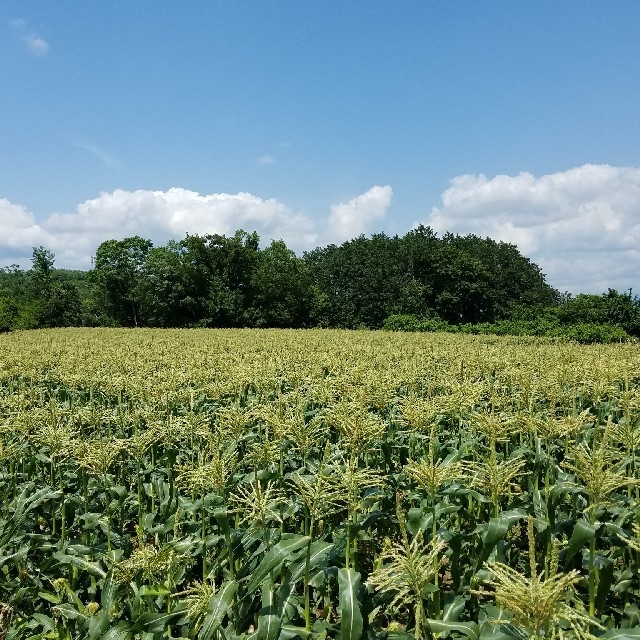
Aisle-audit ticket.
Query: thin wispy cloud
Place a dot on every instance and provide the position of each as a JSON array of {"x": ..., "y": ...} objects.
[
  {"x": 106, "y": 158},
  {"x": 265, "y": 160},
  {"x": 35, "y": 44}
]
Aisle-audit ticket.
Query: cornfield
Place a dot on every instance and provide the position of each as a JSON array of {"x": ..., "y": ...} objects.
[{"x": 317, "y": 484}]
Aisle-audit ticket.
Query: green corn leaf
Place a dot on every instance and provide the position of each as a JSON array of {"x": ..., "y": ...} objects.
[
  {"x": 468, "y": 629},
  {"x": 98, "y": 624},
  {"x": 268, "y": 597},
  {"x": 419, "y": 519},
  {"x": 319, "y": 551},
  {"x": 151, "y": 622},
  {"x": 284, "y": 550},
  {"x": 45, "y": 622},
  {"x": 21, "y": 554},
  {"x": 218, "y": 606},
  {"x": 109, "y": 588},
  {"x": 49, "y": 597},
  {"x": 27, "y": 501},
  {"x": 539, "y": 509},
  {"x": 268, "y": 627},
  {"x": 286, "y": 600},
  {"x": 289, "y": 632},
  {"x": 351, "y": 617},
  {"x": 496, "y": 530},
  {"x": 583, "y": 532},
  {"x": 120, "y": 631},
  {"x": 605, "y": 580},
  {"x": 495, "y": 632},
  {"x": 92, "y": 568},
  {"x": 513, "y": 631},
  {"x": 71, "y": 613},
  {"x": 153, "y": 590},
  {"x": 452, "y": 610}
]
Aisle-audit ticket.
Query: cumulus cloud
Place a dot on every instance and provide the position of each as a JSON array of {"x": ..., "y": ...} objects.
[
  {"x": 157, "y": 215},
  {"x": 164, "y": 215},
  {"x": 361, "y": 214},
  {"x": 582, "y": 226},
  {"x": 19, "y": 229}
]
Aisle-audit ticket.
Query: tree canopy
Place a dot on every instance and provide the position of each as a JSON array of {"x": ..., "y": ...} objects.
[{"x": 218, "y": 281}]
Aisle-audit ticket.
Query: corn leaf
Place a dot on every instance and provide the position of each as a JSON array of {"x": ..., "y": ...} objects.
[
  {"x": 219, "y": 605},
  {"x": 351, "y": 623},
  {"x": 279, "y": 553},
  {"x": 268, "y": 627}
]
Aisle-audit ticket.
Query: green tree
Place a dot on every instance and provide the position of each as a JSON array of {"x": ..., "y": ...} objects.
[
  {"x": 116, "y": 274},
  {"x": 13, "y": 288},
  {"x": 619, "y": 309},
  {"x": 281, "y": 288},
  {"x": 40, "y": 280},
  {"x": 472, "y": 279},
  {"x": 165, "y": 294},
  {"x": 362, "y": 282},
  {"x": 8, "y": 313},
  {"x": 218, "y": 273},
  {"x": 43, "y": 300}
]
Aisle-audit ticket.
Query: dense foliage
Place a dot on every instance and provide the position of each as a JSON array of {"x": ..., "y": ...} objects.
[
  {"x": 218, "y": 281},
  {"x": 418, "y": 282},
  {"x": 241, "y": 484}
]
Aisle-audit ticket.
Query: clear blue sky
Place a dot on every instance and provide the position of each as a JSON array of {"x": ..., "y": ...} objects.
[{"x": 306, "y": 107}]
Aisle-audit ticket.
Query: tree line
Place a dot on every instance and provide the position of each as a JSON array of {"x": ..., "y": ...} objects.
[{"x": 419, "y": 281}]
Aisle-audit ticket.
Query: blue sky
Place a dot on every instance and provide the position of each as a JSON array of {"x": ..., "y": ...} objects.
[{"x": 317, "y": 121}]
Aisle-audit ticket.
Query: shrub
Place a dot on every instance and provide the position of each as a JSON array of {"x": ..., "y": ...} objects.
[{"x": 588, "y": 333}]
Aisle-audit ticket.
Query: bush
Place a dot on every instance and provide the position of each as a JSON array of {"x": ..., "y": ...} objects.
[
  {"x": 612, "y": 308},
  {"x": 589, "y": 333},
  {"x": 8, "y": 314},
  {"x": 584, "y": 332}
]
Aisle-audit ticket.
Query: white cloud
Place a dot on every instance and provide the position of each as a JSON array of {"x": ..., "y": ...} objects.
[
  {"x": 361, "y": 214},
  {"x": 264, "y": 160},
  {"x": 582, "y": 226},
  {"x": 20, "y": 231},
  {"x": 37, "y": 46},
  {"x": 157, "y": 215},
  {"x": 164, "y": 215}
]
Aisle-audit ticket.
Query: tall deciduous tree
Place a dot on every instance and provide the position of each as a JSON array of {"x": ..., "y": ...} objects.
[
  {"x": 281, "y": 289},
  {"x": 362, "y": 282},
  {"x": 117, "y": 271},
  {"x": 48, "y": 302},
  {"x": 218, "y": 271},
  {"x": 163, "y": 289}
]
